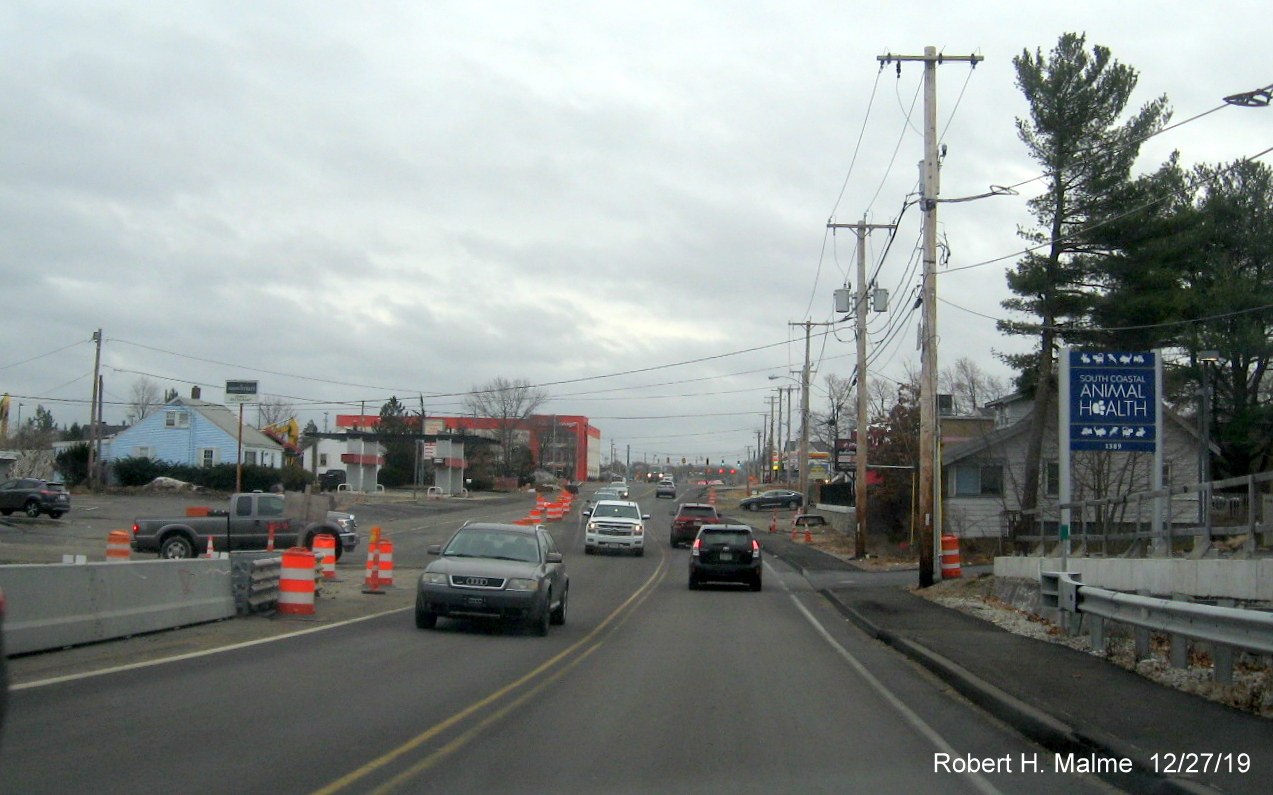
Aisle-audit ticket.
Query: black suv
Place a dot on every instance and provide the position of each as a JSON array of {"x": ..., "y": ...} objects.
[
  {"x": 34, "y": 497},
  {"x": 725, "y": 552}
]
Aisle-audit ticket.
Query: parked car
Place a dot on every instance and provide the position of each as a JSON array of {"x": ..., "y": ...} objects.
[
  {"x": 774, "y": 498},
  {"x": 495, "y": 571},
  {"x": 616, "y": 525},
  {"x": 666, "y": 488},
  {"x": 33, "y": 497},
  {"x": 809, "y": 521},
  {"x": 725, "y": 552}
]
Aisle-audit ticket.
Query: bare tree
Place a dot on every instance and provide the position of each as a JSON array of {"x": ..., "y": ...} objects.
[
  {"x": 143, "y": 400},
  {"x": 510, "y": 404},
  {"x": 839, "y": 416},
  {"x": 272, "y": 410},
  {"x": 971, "y": 387}
]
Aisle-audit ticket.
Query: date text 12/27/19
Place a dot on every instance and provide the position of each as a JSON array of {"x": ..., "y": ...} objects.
[{"x": 1200, "y": 762}]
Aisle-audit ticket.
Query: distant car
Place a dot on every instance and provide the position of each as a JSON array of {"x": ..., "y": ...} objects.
[
  {"x": 33, "y": 497},
  {"x": 598, "y": 496},
  {"x": 809, "y": 521},
  {"x": 495, "y": 571},
  {"x": 616, "y": 525},
  {"x": 689, "y": 518},
  {"x": 725, "y": 552},
  {"x": 666, "y": 488},
  {"x": 774, "y": 498},
  {"x": 620, "y": 486}
]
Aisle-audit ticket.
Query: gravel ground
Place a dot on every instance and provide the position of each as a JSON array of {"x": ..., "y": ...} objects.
[{"x": 1252, "y": 688}]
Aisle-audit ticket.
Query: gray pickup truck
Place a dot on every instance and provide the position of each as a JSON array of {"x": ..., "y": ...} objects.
[{"x": 246, "y": 524}]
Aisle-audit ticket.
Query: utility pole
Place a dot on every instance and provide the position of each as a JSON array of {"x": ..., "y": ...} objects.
[
  {"x": 863, "y": 418},
  {"x": 94, "y": 417},
  {"x": 773, "y": 446},
  {"x": 929, "y": 443},
  {"x": 804, "y": 411}
]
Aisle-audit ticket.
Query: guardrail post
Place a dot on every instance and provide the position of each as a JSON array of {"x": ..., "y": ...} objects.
[
  {"x": 1140, "y": 635},
  {"x": 1179, "y": 643},
  {"x": 1096, "y": 632},
  {"x": 1222, "y": 656}
]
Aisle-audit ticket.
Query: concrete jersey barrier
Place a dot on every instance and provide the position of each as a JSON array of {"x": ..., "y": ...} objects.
[{"x": 56, "y": 605}]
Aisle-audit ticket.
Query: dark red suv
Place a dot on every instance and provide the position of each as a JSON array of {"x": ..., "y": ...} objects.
[{"x": 690, "y": 517}]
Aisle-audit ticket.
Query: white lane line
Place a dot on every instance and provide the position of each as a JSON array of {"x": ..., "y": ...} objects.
[
  {"x": 976, "y": 779},
  {"x": 194, "y": 654}
]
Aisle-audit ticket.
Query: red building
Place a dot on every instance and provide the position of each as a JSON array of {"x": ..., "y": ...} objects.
[{"x": 560, "y": 443}]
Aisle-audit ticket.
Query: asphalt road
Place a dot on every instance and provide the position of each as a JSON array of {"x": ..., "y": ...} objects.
[{"x": 649, "y": 687}]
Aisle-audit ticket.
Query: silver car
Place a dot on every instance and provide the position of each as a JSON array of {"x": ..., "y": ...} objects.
[{"x": 496, "y": 571}]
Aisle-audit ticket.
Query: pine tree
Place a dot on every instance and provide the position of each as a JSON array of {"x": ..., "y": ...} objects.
[{"x": 1076, "y": 99}]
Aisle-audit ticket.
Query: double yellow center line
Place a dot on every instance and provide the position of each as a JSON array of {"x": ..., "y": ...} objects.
[{"x": 514, "y": 694}]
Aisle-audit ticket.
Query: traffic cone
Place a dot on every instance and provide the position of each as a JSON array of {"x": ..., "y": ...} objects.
[
  {"x": 211, "y": 553},
  {"x": 808, "y": 536}
]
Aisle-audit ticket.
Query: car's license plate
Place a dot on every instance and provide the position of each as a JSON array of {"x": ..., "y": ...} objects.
[{"x": 726, "y": 556}]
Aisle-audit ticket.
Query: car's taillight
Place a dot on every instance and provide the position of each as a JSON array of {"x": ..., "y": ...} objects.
[
  {"x": 136, "y": 529},
  {"x": 755, "y": 547},
  {"x": 694, "y": 549}
]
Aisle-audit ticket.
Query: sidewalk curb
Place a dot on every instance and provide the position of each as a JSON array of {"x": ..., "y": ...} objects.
[{"x": 1033, "y": 723}]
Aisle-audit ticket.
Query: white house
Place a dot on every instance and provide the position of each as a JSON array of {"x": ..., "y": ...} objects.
[
  {"x": 982, "y": 477},
  {"x": 359, "y": 455}
]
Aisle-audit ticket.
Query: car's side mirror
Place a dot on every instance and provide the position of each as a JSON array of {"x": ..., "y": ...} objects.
[
  {"x": 645, "y": 516},
  {"x": 554, "y": 557},
  {"x": 434, "y": 549}
]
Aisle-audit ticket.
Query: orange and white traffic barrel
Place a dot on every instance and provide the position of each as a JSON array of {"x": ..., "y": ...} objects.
[
  {"x": 325, "y": 552},
  {"x": 384, "y": 566},
  {"x": 555, "y": 512},
  {"x": 117, "y": 547},
  {"x": 296, "y": 583},
  {"x": 950, "y": 558}
]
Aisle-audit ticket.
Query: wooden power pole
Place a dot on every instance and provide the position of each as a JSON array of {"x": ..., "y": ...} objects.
[
  {"x": 929, "y": 442},
  {"x": 860, "y": 307}
]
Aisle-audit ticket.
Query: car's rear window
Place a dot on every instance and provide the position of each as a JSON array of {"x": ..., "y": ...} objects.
[
  {"x": 613, "y": 509},
  {"x": 692, "y": 510},
  {"x": 731, "y": 536}
]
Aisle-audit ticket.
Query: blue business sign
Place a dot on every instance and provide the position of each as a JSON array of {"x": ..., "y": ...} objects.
[{"x": 1113, "y": 401}]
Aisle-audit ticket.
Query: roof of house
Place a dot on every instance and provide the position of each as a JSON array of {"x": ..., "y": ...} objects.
[
  {"x": 226, "y": 420},
  {"x": 958, "y": 452}
]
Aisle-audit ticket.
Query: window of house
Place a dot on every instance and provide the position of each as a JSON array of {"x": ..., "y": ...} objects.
[
  {"x": 1052, "y": 479},
  {"x": 249, "y": 457},
  {"x": 208, "y": 456},
  {"x": 322, "y": 459},
  {"x": 143, "y": 452},
  {"x": 978, "y": 480},
  {"x": 176, "y": 419}
]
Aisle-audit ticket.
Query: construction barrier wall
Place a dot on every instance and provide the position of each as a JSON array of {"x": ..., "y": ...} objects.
[{"x": 56, "y": 605}]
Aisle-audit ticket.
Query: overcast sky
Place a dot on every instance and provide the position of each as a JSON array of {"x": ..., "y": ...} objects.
[{"x": 624, "y": 202}]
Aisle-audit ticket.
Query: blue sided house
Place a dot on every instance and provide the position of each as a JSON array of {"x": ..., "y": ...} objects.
[{"x": 192, "y": 431}]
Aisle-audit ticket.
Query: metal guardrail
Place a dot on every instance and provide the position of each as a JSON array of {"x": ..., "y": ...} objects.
[{"x": 1225, "y": 627}]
